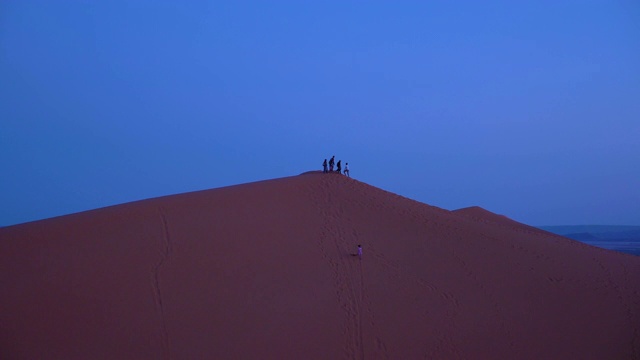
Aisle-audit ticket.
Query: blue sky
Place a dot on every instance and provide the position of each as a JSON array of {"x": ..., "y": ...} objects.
[{"x": 530, "y": 109}]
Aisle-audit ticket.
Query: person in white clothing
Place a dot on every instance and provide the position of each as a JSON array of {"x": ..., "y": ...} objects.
[{"x": 346, "y": 169}]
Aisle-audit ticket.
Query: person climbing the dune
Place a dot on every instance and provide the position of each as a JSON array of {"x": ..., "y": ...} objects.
[
  {"x": 346, "y": 169},
  {"x": 339, "y": 167},
  {"x": 324, "y": 166},
  {"x": 331, "y": 162},
  {"x": 360, "y": 252}
]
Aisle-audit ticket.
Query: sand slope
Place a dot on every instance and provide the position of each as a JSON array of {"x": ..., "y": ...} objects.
[{"x": 265, "y": 270}]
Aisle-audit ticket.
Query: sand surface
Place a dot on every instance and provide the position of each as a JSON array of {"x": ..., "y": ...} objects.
[{"x": 266, "y": 271}]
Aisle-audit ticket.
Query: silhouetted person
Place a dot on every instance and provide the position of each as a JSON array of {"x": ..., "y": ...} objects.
[
  {"x": 331, "y": 162},
  {"x": 346, "y": 169},
  {"x": 324, "y": 166},
  {"x": 339, "y": 167}
]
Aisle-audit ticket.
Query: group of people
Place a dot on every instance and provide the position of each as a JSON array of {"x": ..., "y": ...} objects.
[{"x": 338, "y": 166}]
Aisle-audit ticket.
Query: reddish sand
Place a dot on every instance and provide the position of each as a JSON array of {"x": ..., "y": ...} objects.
[{"x": 265, "y": 270}]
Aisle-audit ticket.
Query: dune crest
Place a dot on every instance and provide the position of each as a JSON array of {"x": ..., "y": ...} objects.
[{"x": 267, "y": 270}]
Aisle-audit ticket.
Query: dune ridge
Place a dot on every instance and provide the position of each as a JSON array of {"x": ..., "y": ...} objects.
[{"x": 267, "y": 270}]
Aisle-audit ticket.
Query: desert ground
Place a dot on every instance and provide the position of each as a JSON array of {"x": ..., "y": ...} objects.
[{"x": 267, "y": 270}]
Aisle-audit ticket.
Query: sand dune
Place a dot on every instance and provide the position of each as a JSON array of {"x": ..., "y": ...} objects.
[{"x": 266, "y": 270}]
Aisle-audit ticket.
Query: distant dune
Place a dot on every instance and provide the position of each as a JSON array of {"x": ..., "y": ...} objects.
[
  {"x": 594, "y": 229},
  {"x": 267, "y": 270},
  {"x": 619, "y": 238}
]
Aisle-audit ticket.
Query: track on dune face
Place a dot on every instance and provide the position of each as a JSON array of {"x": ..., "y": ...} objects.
[
  {"x": 334, "y": 198},
  {"x": 338, "y": 244}
]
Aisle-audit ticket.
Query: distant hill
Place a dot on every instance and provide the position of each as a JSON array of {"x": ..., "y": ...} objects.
[
  {"x": 582, "y": 237},
  {"x": 592, "y": 229},
  {"x": 620, "y": 238}
]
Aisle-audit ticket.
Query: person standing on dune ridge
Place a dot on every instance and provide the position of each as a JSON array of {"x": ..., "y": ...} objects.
[
  {"x": 346, "y": 169},
  {"x": 339, "y": 167},
  {"x": 324, "y": 166},
  {"x": 331, "y": 162}
]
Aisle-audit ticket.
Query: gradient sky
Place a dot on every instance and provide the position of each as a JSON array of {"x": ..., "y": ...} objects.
[{"x": 529, "y": 109}]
